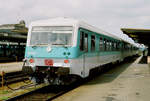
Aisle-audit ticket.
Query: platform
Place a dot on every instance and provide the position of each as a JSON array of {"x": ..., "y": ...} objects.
[
  {"x": 11, "y": 67},
  {"x": 127, "y": 82}
]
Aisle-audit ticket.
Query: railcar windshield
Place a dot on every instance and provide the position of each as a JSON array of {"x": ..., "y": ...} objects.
[{"x": 53, "y": 35}]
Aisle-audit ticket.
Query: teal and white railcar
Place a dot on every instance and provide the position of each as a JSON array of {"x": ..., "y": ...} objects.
[{"x": 63, "y": 47}]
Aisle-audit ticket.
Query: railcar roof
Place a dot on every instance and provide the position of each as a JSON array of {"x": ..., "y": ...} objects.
[
  {"x": 55, "y": 22},
  {"x": 63, "y": 21}
]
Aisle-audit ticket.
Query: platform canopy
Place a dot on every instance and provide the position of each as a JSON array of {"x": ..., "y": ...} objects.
[
  {"x": 12, "y": 36},
  {"x": 139, "y": 35},
  {"x": 13, "y": 32}
]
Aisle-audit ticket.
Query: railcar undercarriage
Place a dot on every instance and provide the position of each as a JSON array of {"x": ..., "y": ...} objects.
[{"x": 50, "y": 75}]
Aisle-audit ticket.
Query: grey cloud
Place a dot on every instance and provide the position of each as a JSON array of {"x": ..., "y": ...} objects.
[{"x": 108, "y": 15}]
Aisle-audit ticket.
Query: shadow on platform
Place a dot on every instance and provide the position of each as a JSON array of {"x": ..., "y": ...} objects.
[
  {"x": 143, "y": 60},
  {"x": 113, "y": 72}
]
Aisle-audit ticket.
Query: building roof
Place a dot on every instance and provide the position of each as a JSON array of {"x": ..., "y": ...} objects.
[
  {"x": 139, "y": 35},
  {"x": 13, "y": 32}
]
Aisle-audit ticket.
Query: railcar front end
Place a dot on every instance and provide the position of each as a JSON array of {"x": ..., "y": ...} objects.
[{"x": 49, "y": 53}]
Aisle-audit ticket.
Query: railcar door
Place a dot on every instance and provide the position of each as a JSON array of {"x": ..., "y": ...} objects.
[{"x": 84, "y": 52}]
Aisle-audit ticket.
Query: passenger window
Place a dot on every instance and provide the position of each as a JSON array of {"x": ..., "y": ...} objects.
[
  {"x": 101, "y": 44},
  {"x": 83, "y": 41},
  {"x": 92, "y": 42},
  {"x": 104, "y": 44},
  {"x": 114, "y": 46},
  {"x": 123, "y": 46},
  {"x": 118, "y": 46},
  {"x": 86, "y": 42},
  {"x": 110, "y": 45},
  {"x": 107, "y": 45}
]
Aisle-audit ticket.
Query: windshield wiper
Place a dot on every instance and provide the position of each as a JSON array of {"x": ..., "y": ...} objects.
[
  {"x": 41, "y": 44},
  {"x": 63, "y": 45},
  {"x": 58, "y": 44},
  {"x": 35, "y": 45}
]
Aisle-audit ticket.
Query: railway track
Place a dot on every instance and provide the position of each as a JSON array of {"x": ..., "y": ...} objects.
[
  {"x": 46, "y": 93},
  {"x": 13, "y": 77}
]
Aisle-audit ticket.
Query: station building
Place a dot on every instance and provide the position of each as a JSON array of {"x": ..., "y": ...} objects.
[
  {"x": 12, "y": 41},
  {"x": 141, "y": 36}
]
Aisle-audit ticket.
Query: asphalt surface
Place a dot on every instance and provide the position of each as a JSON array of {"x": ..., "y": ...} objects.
[
  {"x": 11, "y": 67},
  {"x": 129, "y": 81}
]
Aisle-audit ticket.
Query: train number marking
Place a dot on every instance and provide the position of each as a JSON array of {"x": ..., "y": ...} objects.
[{"x": 48, "y": 62}]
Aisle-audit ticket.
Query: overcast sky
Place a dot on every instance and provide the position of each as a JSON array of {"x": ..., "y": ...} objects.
[{"x": 109, "y": 15}]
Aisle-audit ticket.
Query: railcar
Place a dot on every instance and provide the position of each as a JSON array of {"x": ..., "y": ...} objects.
[{"x": 61, "y": 49}]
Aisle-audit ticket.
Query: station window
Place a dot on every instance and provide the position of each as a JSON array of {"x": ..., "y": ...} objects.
[
  {"x": 101, "y": 43},
  {"x": 92, "y": 42}
]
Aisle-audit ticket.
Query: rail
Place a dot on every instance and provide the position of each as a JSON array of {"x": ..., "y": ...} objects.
[
  {"x": 46, "y": 93},
  {"x": 13, "y": 77}
]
